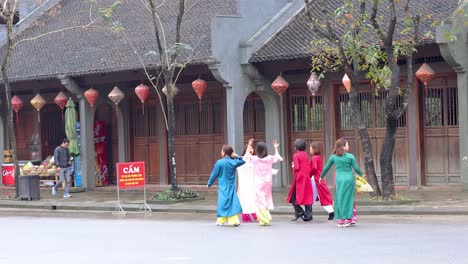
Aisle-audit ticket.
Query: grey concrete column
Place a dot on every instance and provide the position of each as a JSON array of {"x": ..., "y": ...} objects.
[
  {"x": 463, "y": 126},
  {"x": 455, "y": 53},
  {"x": 234, "y": 112},
  {"x": 88, "y": 170},
  {"x": 274, "y": 130}
]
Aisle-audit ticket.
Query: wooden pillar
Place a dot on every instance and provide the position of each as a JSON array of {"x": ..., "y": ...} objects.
[
  {"x": 329, "y": 123},
  {"x": 415, "y": 138}
]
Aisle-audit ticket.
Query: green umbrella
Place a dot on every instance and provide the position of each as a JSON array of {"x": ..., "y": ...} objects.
[{"x": 70, "y": 127}]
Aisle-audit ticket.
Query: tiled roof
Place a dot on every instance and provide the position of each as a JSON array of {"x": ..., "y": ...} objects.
[
  {"x": 293, "y": 40},
  {"x": 78, "y": 52}
]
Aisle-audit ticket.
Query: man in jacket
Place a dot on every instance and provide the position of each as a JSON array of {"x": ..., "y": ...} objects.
[{"x": 62, "y": 160}]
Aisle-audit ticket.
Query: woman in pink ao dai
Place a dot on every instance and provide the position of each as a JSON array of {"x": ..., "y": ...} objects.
[{"x": 263, "y": 171}]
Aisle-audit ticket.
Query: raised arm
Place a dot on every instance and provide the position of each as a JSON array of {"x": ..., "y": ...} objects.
[
  {"x": 277, "y": 157},
  {"x": 239, "y": 161},
  {"x": 325, "y": 170},
  {"x": 355, "y": 165}
]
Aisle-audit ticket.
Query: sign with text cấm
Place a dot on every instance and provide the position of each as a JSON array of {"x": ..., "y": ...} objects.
[{"x": 131, "y": 174}]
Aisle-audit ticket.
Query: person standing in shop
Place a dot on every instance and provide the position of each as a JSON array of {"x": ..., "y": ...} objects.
[{"x": 62, "y": 160}]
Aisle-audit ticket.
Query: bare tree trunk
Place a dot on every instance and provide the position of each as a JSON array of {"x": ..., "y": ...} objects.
[
  {"x": 171, "y": 134},
  {"x": 386, "y": 158},
  {"x": 8, "y": 15},
  {"x": 365, "y": 142},
  {"x": 11, "y": 127}
]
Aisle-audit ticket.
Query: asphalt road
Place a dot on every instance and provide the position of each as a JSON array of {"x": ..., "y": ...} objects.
[{"x": 95, "y": 237}]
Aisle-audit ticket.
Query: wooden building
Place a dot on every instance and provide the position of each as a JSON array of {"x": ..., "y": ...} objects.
[{"x": 238, "y": 52}]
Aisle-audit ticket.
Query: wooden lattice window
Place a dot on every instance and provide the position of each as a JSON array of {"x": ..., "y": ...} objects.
[
  {"x": 307, "y": 113},
  {"x": 145, "y": 124},
  {"x": 254, "y": 115},
  {"x": 380, "y": 110},
  {"x": 434, "y": 107},
  {"x": 345, "y": 112},
  {"x": 365, "y": 105},
  {"x": 452, "y": 97},
  {"x": 441, "y": 106},
  {"x": 191, "y": 121}
]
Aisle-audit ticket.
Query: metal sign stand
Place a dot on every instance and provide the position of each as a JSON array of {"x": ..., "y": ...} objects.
[
  {"x": 145, "y": 207},
  {"x": 118, "y": 210}
]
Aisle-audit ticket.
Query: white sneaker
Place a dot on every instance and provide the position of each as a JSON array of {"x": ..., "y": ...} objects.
[
  {"x": 67, "y": 195},
  {"x": 54, "y": 192}
]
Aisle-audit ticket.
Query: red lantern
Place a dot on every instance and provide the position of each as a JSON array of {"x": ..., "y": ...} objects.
[
  {"x": 61, "y": 100},
  {"x": 199, "y": 86},
  {"x": 425, "y": 73},
  {"x": 280, "y": 85},
  {"x": 346, "y": 82},
  {"x": 91, "y": 96},
  {"x": 142, "y": 91},
  {"x": 17, "y": 104}
]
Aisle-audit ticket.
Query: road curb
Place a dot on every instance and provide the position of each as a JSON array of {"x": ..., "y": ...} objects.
[{"x": 363, "y": 210}]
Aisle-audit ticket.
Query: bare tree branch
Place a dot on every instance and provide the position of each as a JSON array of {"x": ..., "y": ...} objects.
[
  {"x": 54, "y": 32},
  {"x": 180, "y": 16},
  {"x": 156, "y": 31},
  {"x": 391, "y": 28},
  {"x": 190, "y": 7},
  {"x": 373, "y": 19},
  {"x": 310, "y": 17}
]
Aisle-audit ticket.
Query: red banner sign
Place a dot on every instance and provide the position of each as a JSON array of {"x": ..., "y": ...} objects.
[{"x": 131, "y": 174}]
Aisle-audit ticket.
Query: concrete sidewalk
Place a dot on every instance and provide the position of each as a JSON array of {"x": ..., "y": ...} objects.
[{"x": 434, "y": 200}]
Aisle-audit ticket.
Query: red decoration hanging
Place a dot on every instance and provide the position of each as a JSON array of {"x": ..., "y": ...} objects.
[
  {"x": 17, "y": 104},
  {"x": 199, "y": 86},
  {"x": 280, "y": 85},
  {"x": 91, "y": 96},
  {"x": 142, "y": 91},
  {"x": 425, "y": 73},
  {"x": 346, "y": 82},
  {"x": 61, "y": 100}
]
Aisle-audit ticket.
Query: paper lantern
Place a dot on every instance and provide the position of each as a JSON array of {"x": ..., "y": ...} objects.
[
  {"x": 91, "y": 96},
  {"x": 61, "y": 100},
  {"x": 175, "y": 90},
  {"x": 17, "y": 104},
  {"x": 280, "y": 85},
  {"x": 142, "y": 91},
  {"x": 199, "y": 86},
  {"x": 346, "y": 82},
  {"x": 313, "y": 83},
  {"x": 116, "y": 95},
  {"x": 38, "y": 102},
  {"x": 425, "y": 73}
]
